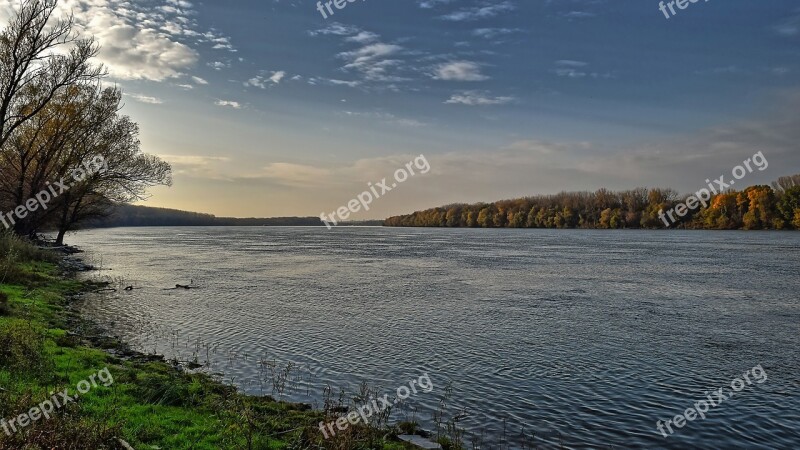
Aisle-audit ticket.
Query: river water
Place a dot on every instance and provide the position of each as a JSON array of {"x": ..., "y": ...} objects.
[{"x": 586, "y": 338}]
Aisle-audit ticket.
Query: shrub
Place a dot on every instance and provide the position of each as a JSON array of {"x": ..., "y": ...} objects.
[
  {"x": 14, "y": 251},
  {"x": 21, "y": 347},
  {"x": 22, "y": 249},
  {"x": 68, "y": 429}
]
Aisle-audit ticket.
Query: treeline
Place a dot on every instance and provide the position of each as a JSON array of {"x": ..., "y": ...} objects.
[
  {"x": 775, "y": 207},
  {"x": 145, "y": 216},
  {"x": 66, "y": 153}
]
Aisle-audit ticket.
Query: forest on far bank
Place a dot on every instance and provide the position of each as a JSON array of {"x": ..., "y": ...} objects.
[
  {"x": 123, "y": 215},
  {"x": 761, "y": 207}
]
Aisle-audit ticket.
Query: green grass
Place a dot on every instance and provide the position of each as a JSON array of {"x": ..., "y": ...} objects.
[{"x": 150, "y": 405}]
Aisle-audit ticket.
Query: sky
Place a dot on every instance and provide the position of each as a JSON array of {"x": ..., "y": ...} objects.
[{"x": 265, "y": 108}]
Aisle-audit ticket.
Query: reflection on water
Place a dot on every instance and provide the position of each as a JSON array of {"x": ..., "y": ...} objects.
[{"x": 592, "y": 336}]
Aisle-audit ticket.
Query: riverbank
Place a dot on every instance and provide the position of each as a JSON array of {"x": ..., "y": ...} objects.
[{"x": 46, "y": 348}]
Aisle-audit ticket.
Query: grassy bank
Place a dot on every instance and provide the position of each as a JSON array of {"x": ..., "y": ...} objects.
[{"x": 46, "y": 348}]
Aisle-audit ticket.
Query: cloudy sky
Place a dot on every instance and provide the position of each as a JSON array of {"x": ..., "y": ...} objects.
[{"x": 266, "y": 108}]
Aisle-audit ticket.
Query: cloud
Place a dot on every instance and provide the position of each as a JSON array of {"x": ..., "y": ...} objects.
[
  {"x": 261, "y": 81},
  {"x": 476, "y": 98},
  {"x": 525, "y": 166},
  {"x": 428, "y": 4},
  {"x": 193, "y": 160},
  {"x": 336, "y": 29},
  {"x": 373, "y": 61},
  {"x": 387, "y": 65},
  {"x": 386, "y": 118},
  {"x": 218, "y": 65},
  {"x": 296, "y": 175},
  {"x": 577, "y": 69},
  {"x": 277, "y": 76},
  {"x": 335, "y": 82},
  {"x": 256, "y": 81},
  {"x": 199, "y": 80},
  {"x": 363, "y": 37},
  {"x": 684, "y": 161},
  {"x": 180, "y": 3},
  {"x": 790, "y": 27},
  {"x": 459, "y": 71},
  {"x": 146, "y": 99},
  {"x": 578, "y": 15},
  {"x": 571, "y": 63},
  {"x": 341, "y": 180},
  {"x": 132, "y": 54},
  {"x": 222, "y": 43},
  {"x": 228, "y": 104},
  {"x": 480, "y": 12},
  {"x": 569, "y": 72},
  {"x": 491, "y": 33},
  {"x": 154, "y": 41},
  {"x": 196, "y": 165}
]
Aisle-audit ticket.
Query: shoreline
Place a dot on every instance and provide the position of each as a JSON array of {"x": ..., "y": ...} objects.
[{"x": 155, "y": 401}]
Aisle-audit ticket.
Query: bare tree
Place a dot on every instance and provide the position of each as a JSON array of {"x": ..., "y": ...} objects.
[
  {"x": 33, "y": 73},
  {"x": 783, "y": 184}
]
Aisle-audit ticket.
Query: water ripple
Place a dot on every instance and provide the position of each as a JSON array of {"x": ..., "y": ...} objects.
[{"x": 585, "y": 338}]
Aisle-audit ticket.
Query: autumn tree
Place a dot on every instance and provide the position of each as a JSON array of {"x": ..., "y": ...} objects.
[
  {"x": 57, "y": 125},
  {"x": 39, "y": 151},
  {"x": 788, "y": 205},
  {"x": 126, "y": 174}
]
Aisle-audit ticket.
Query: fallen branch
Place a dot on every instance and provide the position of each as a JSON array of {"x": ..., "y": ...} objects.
[{"x": 181, "y": 286}]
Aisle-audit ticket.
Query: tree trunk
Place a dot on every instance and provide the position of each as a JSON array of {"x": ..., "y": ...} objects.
[{"x": 60, "y": 237}]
